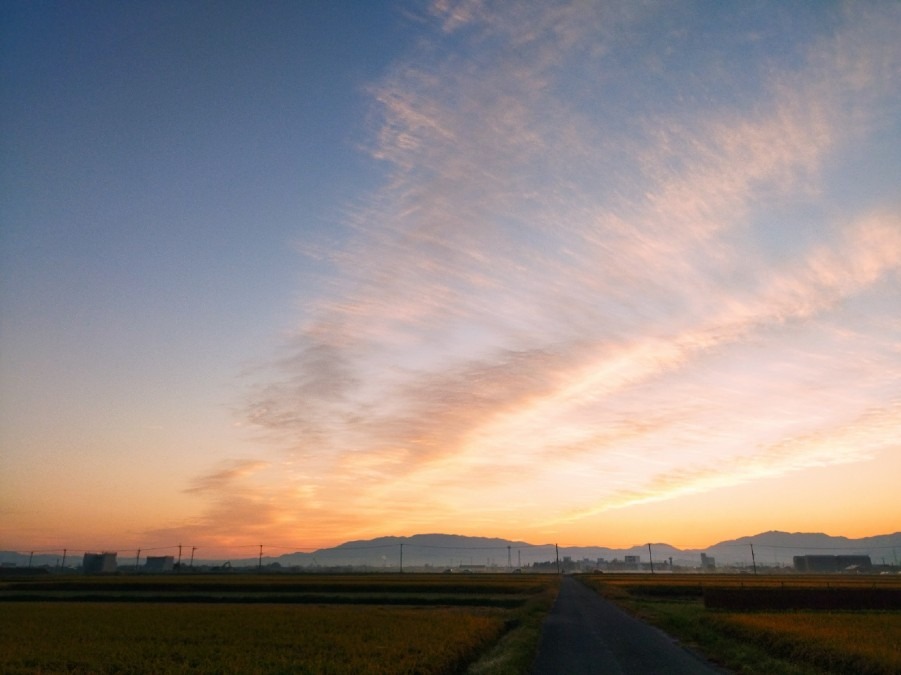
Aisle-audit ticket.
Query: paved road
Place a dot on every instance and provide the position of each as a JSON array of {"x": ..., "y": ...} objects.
[{"x": 584, "y": 633}]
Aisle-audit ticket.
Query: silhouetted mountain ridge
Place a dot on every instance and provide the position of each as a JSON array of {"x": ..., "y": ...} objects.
[{"x": 455, "y": 551}]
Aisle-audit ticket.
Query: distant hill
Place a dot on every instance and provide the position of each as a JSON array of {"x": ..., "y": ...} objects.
[
  {"x": 452, "y": 551},
  {"x": 436, "y": 550},
  {"x": 779, "y": 547},
  {"x": 37, "y": 560},
  {"x": 456, "y": 551}
]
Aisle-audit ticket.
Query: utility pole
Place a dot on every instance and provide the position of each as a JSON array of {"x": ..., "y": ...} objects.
[
  {"x": 260, "y": 566},
  {"x": 63, "y": 566},
  {"x": 30, "y": 556},
  {"x": 137, "y": 560},
  {"x": 753, "y": 559},
  {"x": 651, "y": 558},
  {"x": 193, "y": 548},
  {"x": 179, "y": 557},
  {"x": 557, "y": 549}
]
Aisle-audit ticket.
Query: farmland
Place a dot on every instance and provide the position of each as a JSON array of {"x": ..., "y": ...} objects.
[
  {"x": 429, "y": 623},
  {"x": 727, "y": 618},
  {"x": 297, "y": 623}
]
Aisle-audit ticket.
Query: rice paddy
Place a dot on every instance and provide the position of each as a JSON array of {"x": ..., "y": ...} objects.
[{"x": 291, "y": 624}]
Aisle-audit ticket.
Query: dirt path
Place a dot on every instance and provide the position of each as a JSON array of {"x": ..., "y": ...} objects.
[{"x": 584, "y": 633}]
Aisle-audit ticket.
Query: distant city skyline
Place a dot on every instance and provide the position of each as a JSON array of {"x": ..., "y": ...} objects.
[{"x": 574, "y": 272}]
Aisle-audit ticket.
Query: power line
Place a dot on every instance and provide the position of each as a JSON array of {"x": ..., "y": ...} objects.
[{"x": 811, "y": 548}]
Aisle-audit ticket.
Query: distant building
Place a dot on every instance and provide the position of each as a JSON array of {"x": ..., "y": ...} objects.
[
  {"x": 708, "y": 562},
  {"x": 99, "y": 563},
  {"x": 633, "y": 562},
  {"x": 159, "y": 563},
  {"x": 830, "y": 563}
]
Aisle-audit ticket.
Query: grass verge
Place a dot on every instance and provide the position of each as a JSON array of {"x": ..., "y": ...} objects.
[{"x": 514, "y": 653}]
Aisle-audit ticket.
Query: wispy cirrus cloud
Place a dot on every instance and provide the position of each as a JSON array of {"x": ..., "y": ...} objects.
[
  {"x": 225, "y": 478},
  {"x": 856, "y": 441},
  {"x": 570, "y": 282}
]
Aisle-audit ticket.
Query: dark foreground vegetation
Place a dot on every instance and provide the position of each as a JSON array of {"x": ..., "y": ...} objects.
[
  {"x": 259, "y": 624},
  {"x": 804, "y": 625},
  {"x": 429, "y": 623}
]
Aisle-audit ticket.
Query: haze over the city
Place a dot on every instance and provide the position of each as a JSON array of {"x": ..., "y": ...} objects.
[{"x": 595, "y": 273}]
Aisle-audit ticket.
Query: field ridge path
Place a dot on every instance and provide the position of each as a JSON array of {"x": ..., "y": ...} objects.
[{"x": 585, "y": 633}]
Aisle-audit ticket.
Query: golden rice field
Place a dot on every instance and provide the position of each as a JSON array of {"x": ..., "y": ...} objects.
[
  {"x": 292, "y": 624},
  {"x": 848, "y": 642},
  {"x": 200, "y": 638}
]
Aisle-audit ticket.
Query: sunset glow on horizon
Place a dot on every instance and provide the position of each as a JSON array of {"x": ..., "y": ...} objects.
[{"x": 594, "y": 273}]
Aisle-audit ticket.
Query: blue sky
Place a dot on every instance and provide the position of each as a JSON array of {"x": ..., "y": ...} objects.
[{"x": 590, "y": 272}]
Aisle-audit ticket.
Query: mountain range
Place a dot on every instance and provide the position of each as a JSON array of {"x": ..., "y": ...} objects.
[
  {"x": 450, "y": 551},
  {"x": 453, "y": 551}
]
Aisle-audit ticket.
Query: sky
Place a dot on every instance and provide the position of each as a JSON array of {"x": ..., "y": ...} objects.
[{"x": 594, "y": 273}]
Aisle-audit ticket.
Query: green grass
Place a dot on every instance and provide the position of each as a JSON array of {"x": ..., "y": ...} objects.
[{"x": 514, "y": 652}]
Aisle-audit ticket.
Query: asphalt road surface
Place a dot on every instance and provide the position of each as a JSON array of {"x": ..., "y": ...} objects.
[{"x": 584, "y": 633}]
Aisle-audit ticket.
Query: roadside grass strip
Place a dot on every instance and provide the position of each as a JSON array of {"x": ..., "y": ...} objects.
[{"x": 514, "y": 652}]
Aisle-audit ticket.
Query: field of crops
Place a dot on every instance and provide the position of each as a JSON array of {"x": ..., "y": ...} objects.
[
  {"x": 408, "y": 589},
  {"x": 847, "y": 642},
  {"x": 173, "y": 638},
  {"x": 250, "y": 624},
  {"x": 789, "y": 641}
]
